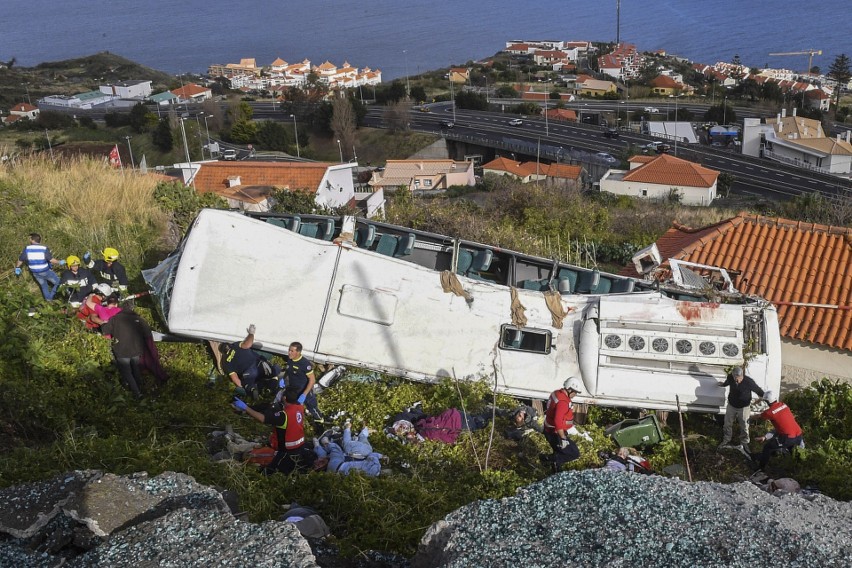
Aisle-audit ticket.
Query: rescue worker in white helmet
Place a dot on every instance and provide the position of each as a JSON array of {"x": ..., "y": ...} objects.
[
  {"x": 108, "y": 270},
  {"x": 559, "y": 424}
]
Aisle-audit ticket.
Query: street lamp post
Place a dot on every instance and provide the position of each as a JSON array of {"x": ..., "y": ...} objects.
[
  {"x": 185, "y": 145},
  {"x": 453, "y": 96},
  {"x": 546, "y": 96},
  {"x": 340, "y": 148},
  {"x": 207, "y": 130},
  {"x": 725, "y": 112},
  {"x": 130, "y": 147},
  {"x": 296, "y": 134},
  {"x": 407, "y": 82},
  {"x": 198, "y": 134}
]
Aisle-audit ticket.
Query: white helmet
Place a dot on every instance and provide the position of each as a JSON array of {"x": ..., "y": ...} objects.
[
  {"x": 770, "y": 396},
  {"x": 573, "y": 383},
  {"x": 104, "y": 289}
]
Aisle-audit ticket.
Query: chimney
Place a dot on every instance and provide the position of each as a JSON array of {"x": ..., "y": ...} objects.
[
  {"x": 848, "y": 134},
  {"x": 234, "y": 181},
  {"x": 794, "y": 111},
  {"x": 783, "y": 113}
]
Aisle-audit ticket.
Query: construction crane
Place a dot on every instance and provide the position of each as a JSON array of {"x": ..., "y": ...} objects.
[{"x": 809, "y": 52}]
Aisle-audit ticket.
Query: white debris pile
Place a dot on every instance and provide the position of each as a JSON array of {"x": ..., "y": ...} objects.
[{"x": 605, "y": 518}]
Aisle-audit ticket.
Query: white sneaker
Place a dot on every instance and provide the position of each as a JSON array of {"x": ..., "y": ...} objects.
[{"x": 725, "y": 446}]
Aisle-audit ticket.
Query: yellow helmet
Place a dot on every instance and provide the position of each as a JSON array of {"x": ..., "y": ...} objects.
[
  {"x": 72, "y": 260},
  {"x": 110, "y": 254}
]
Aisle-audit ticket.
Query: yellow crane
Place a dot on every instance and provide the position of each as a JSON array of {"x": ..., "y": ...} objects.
[{"x": 809, "y": 52}]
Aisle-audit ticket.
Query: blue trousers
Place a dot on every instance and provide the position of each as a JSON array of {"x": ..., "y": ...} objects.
[{"x": 48, "y": 280}]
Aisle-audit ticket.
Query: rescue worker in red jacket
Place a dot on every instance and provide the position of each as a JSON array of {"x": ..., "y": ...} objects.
[
  {"x": 559, "y": 424},
  {"x": 787, "y": 434},
  {"x": 289, "y": 423}
]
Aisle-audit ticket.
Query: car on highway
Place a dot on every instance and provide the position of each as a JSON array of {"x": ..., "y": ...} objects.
[
  {"x": 606, "y": 158},
  {"x": 229, "y": 154},
  {"x": 611, "y": 133},
  {"x": 516, "y": 122},
  {"x": 447, "y": 124},
  {"x": 652, "y": 109}
]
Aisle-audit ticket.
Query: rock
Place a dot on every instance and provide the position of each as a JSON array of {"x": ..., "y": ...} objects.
[
  {"x": 26, "y": 509},
  {"x": 91, "y": 519},
  {"x": 604, "y": 518}
]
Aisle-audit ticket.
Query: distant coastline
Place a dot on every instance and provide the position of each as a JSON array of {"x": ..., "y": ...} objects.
[{"x": 410, "y": 38}]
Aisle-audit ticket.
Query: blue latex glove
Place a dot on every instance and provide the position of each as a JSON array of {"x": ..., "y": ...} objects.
[
  {"x": 87, "y": 257},
  {"x": 302, "y": 398},
  {"x": 17, "y": 271},
  {"x": 240, "y": 405},
  {"x": 62, "y": 263},
  {"x": 281, "y": 383}
]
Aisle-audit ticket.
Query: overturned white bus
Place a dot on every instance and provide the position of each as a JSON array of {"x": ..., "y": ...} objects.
[{"x": 426, "y": 306}]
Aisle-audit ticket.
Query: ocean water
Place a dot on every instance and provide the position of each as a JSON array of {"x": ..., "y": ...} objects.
[{"x": 403, "y": 37}]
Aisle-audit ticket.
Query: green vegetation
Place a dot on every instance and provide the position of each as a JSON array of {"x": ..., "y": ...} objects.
[{"x": 61, "y": 406}]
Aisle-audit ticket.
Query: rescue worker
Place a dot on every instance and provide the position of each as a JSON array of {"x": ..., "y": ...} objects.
[
  {"x": 559, "y": 424},
  {"x": 299, "y": 374},
  {"x": 289, "y": 422},
  {"x": 787, "y": 433},
  {"x": 40, "y": 262},
  {"x": 248, "y": 369},
  {"x": 739, "y": 399},
  {"x": 109, "y": 270},
  {"x": 78, "y": 282}
]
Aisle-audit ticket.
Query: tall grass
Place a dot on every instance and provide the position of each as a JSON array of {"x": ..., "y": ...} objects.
[{"x": 78, "y": 204}]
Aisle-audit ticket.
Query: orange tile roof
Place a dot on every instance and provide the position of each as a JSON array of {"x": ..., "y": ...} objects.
[
  {"x": 23, "y": 107},
  {"x": 784, "y": 261},
  {"x": 563, "y": 171},
  {"x": 665, "y": 82},
  {"x": 562, "y": 114},
  {"x": 665, "y": 169},
  {"x": 190, "y": 90},
  {"x": 213, "y": 176}
]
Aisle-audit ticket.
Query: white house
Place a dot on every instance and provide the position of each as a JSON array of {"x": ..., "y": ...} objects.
[
  {"x": 659, "y": 177},
  {"x": 798, "y": 141},
  {"x": 128, "y": 89},
  {"x": 24, "y": 110}
]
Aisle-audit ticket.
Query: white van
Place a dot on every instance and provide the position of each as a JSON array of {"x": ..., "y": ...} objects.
[{"x": 229, "y": 154}]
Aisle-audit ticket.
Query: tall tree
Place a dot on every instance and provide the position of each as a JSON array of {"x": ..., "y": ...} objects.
[
  {"x": 840, "y": 72},
  {"x": 343, "y": 123},
  {"x": 397, "y": 115},
  {"x": 162, "y": 135}
]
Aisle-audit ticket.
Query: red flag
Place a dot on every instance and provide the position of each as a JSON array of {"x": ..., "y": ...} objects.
[{"x": 114, "y": 158}]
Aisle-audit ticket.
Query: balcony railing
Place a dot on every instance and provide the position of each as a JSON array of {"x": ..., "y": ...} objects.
[{"x": 769, "y": 154}]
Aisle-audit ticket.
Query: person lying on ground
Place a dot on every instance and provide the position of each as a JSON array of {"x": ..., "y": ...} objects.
[
  {"x": 625, "y": 460},
  {"x": 352, "y": 454},
  {"x": 413, "y": 425}
]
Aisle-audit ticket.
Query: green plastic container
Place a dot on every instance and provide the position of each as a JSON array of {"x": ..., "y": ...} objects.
[{"x": 634, "y": 433}]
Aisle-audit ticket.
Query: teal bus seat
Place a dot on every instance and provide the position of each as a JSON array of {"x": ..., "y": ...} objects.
[
  {"x": 471, "y": 263},
  {"x": 570, "y": 276},
  {"x": 294, "y": 223},
  {"x": 391, "y": 245},
  {"x": 365, "y": 236},
  {"x": 324, "y": 229},
  {"x": 277, "y": 222},
  {"x": 604, "y": 285},
  {"x": 537, "y": 285},
  {"x": 587, "y": 282},
  {"x": 623, "y": 285}
]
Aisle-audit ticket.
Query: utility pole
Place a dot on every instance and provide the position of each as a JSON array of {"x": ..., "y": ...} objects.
[
  {"x": 296, "y": 135},
  {"x": 617, "y": 22},
  {"x": 130, "y": 147}
]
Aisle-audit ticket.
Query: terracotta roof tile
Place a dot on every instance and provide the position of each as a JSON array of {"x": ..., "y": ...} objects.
[
  {"x": 785, "y": 261},
  {"x": 213, "y": 176},
  {"x": 665, "y": 169}
]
